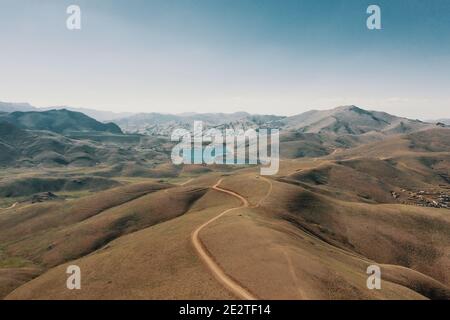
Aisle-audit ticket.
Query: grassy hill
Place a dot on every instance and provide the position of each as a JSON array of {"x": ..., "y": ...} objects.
[
  {"x": 298, "y": 244},
  {"x": 34, "y": 148}
]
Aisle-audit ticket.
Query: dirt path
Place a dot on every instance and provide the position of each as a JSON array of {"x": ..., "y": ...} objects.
[
  {"x": 186, "y": 182},
  {"x": 269, "y": 191},
  {"x": 294, "y": 275},
  {"x": 178, "y": 184},
  {"x": 11, "y": 207},
  {"x": 216, "y": 270}
]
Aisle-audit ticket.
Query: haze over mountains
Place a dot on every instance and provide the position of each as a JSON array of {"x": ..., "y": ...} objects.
[
  {"x": 96, "y": 114},
  {"x": 59, "y": 121},
  {"x": 444, "y": 121}
]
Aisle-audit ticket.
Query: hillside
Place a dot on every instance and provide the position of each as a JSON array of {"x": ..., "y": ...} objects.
[
  {"x": 319, "y": 133},
  {"x": 299, "y": 244},
  {"x": 59, "y": 121},
  {"x": 27, "y": 148},
  {"x": 59, "y": 138},
  {"x": 355, "y": 188},
  {"x": 309, "y": 233},
  {"x": 45, "y": 149}
]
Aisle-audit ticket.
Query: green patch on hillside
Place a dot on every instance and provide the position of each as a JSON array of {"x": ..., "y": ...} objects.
[{"x": 7, "y": 261}]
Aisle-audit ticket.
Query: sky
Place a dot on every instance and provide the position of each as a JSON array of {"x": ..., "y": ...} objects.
[{"x": 260, "y": 56}]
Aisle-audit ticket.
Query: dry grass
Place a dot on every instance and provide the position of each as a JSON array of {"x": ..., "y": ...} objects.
[
  {"x": 308, "y": 233},
  {"x": 158, "y": 262}
]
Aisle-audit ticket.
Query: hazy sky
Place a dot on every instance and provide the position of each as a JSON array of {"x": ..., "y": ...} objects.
[{"x": 259, "y": 56}]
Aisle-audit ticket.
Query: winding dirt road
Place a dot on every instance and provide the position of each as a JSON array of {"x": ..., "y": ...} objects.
[{"x": 218, "y": 273}]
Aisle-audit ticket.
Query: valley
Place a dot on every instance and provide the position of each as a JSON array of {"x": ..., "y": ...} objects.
[{"x": 354, "y": 188}]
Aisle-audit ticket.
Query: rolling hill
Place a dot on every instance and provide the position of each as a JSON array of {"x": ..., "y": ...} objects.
[
  {"x": 64, "y": 138},
  {"x": 24, "y": 148},
  {"x": 59, "y": 121},
  {"x": 355, "y": 188},
  {"x": 308, "y": 233}
]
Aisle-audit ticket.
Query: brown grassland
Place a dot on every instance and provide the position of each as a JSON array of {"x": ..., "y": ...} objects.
[{"x": 310, "y": 232}]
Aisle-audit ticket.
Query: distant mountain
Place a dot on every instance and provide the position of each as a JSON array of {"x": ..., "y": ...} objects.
[
  {"x": 164, "y": 124},
  {"x": 12, "y": 107},
  {"x": 339, "y": 121},
  {"x": 352, "y": 120},
  {"x": 444, "y": 121},
  {"x": 59, "y": 121},
  {"x": 311, "y": 134},
  {"x": 346, "y": 120},
  {"x": 98, "y": 115}
]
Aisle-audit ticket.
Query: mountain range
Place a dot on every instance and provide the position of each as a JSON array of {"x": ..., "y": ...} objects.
[
  {"x": 310, "y": 134},
  {"x": 340, "y": 120}
]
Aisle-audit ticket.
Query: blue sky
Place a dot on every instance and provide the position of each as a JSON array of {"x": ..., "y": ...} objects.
[{"x": 259, "y": 56}]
